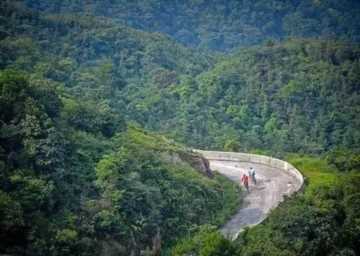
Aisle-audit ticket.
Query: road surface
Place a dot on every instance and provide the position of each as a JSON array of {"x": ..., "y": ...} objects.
[{"x": 272, "y": 185}]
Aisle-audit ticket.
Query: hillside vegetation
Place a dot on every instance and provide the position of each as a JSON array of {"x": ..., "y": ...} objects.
[
  {"x": 91, "y": 57},
  {"x": 280, "y": 98},
  {"x": 324, "y": 220},
  {"x": 224, "y": 25},
  {"x": 94, "y": 94},
  {"x": 74, "y": 180}
]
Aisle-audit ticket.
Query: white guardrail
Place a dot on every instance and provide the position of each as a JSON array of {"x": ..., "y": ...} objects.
[{"x": 257, "y": 159}]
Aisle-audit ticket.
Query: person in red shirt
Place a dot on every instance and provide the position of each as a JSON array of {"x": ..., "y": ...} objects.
[{"x": 245, "y": 181}]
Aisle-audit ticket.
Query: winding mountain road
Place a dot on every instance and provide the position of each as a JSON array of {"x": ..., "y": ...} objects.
[{"x": 275, "y": 179}]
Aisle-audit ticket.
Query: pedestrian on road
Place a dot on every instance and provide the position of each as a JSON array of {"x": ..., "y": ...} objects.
[
  {"x": 252, "y": 175},
  {"x": 245, "y": 181}
]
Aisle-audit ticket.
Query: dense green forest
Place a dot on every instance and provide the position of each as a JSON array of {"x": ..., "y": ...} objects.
[
  {"x": 101, "y": 100},
  {"x": 75, "y": 180},
  {"x": 261, "y": 97},
  {"x": 280, "y": 98},
  {"x": 223, "y": 25}
]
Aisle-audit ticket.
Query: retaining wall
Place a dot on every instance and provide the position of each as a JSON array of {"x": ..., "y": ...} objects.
[{"x": 256, "y": 159}]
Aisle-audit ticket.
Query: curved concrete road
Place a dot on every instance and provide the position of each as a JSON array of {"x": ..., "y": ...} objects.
[{"x": 272, "y": 185}]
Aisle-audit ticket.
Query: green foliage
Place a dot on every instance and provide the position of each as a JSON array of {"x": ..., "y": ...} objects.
[
  {"x": 66, "y": 240},
  {"x": 232, "y": 146},
  {"x": 207, "y": 242},
  {"x": 42, "y": 174},
  {"x": 281, "y": 99},
  {"x": 75, "y": 179},
  {"x": 68, "y": 186},
  {"x": 321, "y": 221},
  {"x": 344, "y": 159},
  {"x": 142, "y": 195},
  {"x": 317, "y": 171},
  {"x": 223, "y": 25},
  {"x": 11, "y": 213},
  {"x": 314, "y": 223}
]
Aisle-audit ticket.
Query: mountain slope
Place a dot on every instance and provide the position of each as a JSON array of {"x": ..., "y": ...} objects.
[
  {"x": 93, "y": 57},
  {"x": 75, "y": 180},
  {"x": 254, "y": 97},
  {"x": 283, "y": 97},
  {"x": 224, "y": 25},
  {"x": 74, "y": 177}
]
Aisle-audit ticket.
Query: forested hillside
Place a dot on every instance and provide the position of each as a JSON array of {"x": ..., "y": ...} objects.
[
  {"x": 223, "y": 25},
  {"x": 75, "y": 180},
  {"x": 92, "y": 57},
  {"x": 95, "y": 94},
  {"x": 75, "y": 177},
  {"x": 281, "y": 98}
]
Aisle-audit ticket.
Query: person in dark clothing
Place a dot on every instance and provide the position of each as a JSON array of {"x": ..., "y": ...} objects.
[{"x": 253, "y": 175}]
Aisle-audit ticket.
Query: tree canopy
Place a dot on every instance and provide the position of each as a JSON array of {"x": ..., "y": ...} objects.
[{"x": 94, "y": 94}]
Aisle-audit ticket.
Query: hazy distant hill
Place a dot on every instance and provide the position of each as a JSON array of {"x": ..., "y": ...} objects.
[{"x": 223, "y": 25}]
